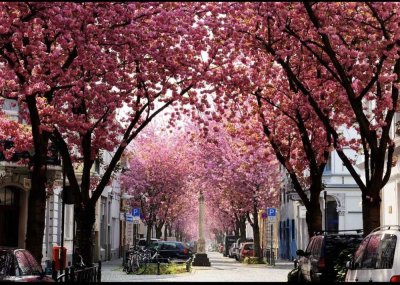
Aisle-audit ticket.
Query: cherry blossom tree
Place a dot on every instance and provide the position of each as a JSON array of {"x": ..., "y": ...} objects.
[
  {"x": 156, "y": 178},
  {"x": 240, "y": 172},
  {"x": 342, "y": 58},
  {"x": 72, "y": 83}
]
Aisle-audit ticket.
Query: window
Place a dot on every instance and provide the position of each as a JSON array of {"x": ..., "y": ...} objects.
[
  {"x": 97, "y": 165},
  {"x": 310, "y": 245},
  {"x": 293, "y": 229},
  {"x": 168, "y": 246},
  {"x": 386, "y": 251},
  {"x": 316, "y": 249},
  {"x": 359, "y": 252},
  {"x": 10, "y": 105},
  {"x": 371, "y": 252},
  {"x": 8, "y": 196},
  {"x": 376, "y": 252},
  {"x": 328, "y": 166}
]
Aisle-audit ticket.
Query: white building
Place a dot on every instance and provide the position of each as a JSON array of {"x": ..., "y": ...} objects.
[
  {"x": 390, "y": 214},
  {"x": 340, "y": 211}
]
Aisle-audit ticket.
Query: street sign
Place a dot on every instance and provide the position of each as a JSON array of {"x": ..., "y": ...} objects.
[
  {"x": 136, "y": 212},
  {"x": 129, "y": 218},
  {"x": 271, "y": 213},
  {"x": 263, "y": 215},
  {"x": 129, "y": 234}
]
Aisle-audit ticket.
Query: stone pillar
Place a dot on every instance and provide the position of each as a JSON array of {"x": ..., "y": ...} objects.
[{"x": 201, "y": 258}]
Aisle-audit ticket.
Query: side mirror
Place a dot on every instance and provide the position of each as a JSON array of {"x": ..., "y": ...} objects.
[
  {"x": 350, "y": 264},
  {"x": 300, "y": 252}
]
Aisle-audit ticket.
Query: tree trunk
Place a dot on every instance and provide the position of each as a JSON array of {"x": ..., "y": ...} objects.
[
  {"x": 237, "y": 227},
  {"x": 37, "y": 194},
  {"x": 314, "y": 215},
  {"x": 148, "y": 234},
  {"x": 371, "y": 213},
  {"x": 85, "y": 219},
  {"x": 36, "y": 215},
  {"x": 159, "y": 230},
  {"x": 256, "y": 233},
  {"x": 165, "y": 232},
  {"x": 170, "y": 230},
  {"x": 242, "y": 226}
]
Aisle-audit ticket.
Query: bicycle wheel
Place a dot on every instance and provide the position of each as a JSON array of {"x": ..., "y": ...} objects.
[
  {"x": 141, "y": 267},
  {"x": 128, "y": 266}
]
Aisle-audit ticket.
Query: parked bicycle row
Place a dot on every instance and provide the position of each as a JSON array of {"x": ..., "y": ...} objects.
[{"x": 156, "y": 252}]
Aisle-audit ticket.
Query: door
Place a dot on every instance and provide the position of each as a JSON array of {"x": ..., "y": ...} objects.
[{"x": 9, "y": 216}]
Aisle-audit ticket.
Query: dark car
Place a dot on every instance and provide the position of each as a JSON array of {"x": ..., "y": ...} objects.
[
  {"x": 326, "y": 256},
  {"x": 172, "y": 249},
  {"x": 19, "y": 265}
]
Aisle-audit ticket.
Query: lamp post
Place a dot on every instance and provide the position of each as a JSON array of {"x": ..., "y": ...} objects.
[
  {"x": 62, "y": 222},
  {"x": 201, "y": 258}
]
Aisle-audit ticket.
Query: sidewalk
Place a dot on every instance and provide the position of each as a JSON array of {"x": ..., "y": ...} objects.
[{"x": 111, "y": 264}]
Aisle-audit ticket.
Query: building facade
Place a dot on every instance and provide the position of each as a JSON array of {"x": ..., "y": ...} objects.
[{"x": 340, "y": 204}]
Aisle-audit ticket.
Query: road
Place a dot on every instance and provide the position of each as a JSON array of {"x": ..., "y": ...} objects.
[{"x": 222, "y": 269}]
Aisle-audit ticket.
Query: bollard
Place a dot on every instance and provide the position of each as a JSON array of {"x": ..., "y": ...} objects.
[
  {"x": 273, "y": 258},
  {"x": 66, "y": 278},
  {"x": 99, "y": 272},
  {"x": 53, "y": 270},
  {"x": 72, "y": 275},
  {"x": 158, "y": 268}
]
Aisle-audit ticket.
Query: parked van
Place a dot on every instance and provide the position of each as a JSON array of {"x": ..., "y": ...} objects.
[
  {"x": 228, "y": 240},
  {"x": 377, "y": 258}
]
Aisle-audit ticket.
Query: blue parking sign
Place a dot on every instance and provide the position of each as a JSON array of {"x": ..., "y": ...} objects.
[
  {"x": 136, "y": 212},
  {"x": 271, "y": 212}
]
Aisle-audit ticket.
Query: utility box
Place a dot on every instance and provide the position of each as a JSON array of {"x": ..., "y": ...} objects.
[{"x": 59, "y": 257}]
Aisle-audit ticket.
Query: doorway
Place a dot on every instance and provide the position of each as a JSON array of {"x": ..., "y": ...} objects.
[
  {"x": 332, "y": 216},
  {"x": 9, "y": 216}
]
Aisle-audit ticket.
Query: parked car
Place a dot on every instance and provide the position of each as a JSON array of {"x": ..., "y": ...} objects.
[
  {"x": 231, "y": 250},
  {"x": 236, "y": 248},
  {"x": 246, "y": 249},
  {"x": 172, "y": 249},
  {"x": 377, "y": 258},
  {"x": 326, "y": 256},
  {"x": 19, "y": 265}
]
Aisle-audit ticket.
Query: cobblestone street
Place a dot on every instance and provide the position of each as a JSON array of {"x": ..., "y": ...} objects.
[{"x": 222, "y": 269}]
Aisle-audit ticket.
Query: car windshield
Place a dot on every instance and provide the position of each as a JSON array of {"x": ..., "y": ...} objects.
[
  {"x": 249, "y": 246},
  {"x": 27, "y": 263}
]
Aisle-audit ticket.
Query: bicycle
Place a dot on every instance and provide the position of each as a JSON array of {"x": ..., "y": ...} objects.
[{"x": 135, "y": 263}]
